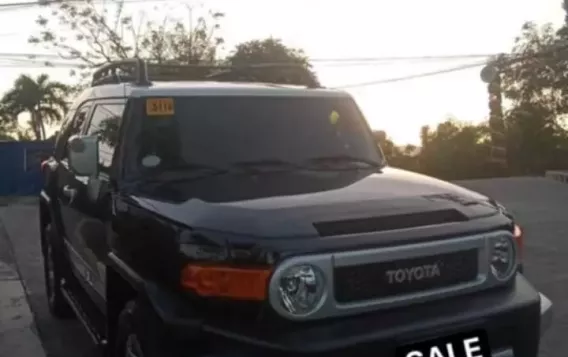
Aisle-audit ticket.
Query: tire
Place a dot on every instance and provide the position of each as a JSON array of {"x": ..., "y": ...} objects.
[
  {"x": 52, "y": 267},
  {"x": 140, "y": 334}
]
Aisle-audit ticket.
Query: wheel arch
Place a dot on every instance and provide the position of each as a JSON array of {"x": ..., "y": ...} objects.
[
  {"x": 45, "y": 217},
  {"x": 120, "y": 289},
  {"x": 125, "y": 285},
  {"x": 48, "y": 214}
]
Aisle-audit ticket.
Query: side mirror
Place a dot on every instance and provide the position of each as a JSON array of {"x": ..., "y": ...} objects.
[{"x": 83, "y": 154}]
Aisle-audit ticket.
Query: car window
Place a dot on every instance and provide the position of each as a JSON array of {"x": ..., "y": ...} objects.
[
  {"x": 74, "y": 127},
  {"x": 219, "y": 131},
  {"x": 104, "y": 123},
  {"x": 60, "y": 138}
]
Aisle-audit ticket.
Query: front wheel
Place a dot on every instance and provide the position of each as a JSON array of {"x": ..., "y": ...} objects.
[
  {"x": 140, "y": 334},
  {"x": 52, "y": 263}
]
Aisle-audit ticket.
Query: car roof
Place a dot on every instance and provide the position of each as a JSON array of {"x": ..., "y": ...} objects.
[{"x": 204, "y": 88}]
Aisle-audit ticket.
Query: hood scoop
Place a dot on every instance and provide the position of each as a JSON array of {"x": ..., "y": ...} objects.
[{"x": 388, "y": 223}]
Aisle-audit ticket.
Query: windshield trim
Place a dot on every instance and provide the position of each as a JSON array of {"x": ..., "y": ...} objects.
[{"x": 369, "y": 132}]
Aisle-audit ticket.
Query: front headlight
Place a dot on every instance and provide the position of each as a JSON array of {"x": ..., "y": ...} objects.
[
  {"x": 503, "y": 256},
  {"x": 299, "y": 290}
]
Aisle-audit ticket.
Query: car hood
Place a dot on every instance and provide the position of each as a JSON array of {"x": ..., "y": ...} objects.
[{"x": 294, "y": 203}]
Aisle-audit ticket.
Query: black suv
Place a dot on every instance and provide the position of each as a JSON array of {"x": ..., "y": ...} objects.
[{"x": 242, "y": 219}]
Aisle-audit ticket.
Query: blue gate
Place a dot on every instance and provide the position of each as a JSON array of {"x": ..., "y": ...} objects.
[{"x": 20, "y": 171}]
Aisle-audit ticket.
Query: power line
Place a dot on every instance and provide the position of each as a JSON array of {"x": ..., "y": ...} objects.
[
  {"x": 13, "y": 8},
  {"x": 31, "y": 60},
  {"x": 404, "y": 58},
  {"x": 51, "y": 60},
  {"x": 315, "y": 60},
  {"x": 20, "y": 3},
  {"x": 507, "y": 61},
  {"x": 30, "y": 55},
  {"x": 414, "y": 76},
  {"x": 27, "y": 62},
  {"x": 40, "y": 3},
  {"x": 266, "y": 65},
  {"x": 31, "y": 63}
]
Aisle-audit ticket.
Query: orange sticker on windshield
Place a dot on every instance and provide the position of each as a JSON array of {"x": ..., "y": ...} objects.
[{"x": 159, "y": 106}]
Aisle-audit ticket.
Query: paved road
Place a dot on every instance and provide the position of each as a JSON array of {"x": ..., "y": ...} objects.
[
  {"x": 59, "y": 338},
  {"x": 18, "y": 336},
  {"x": 540, "y": 205}
]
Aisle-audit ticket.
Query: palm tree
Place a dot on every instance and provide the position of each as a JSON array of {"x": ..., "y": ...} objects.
[
  {"x": 7, "y": 124},
  {"x": 43, "y": 99},
  {"x": 5, "y": 134}
]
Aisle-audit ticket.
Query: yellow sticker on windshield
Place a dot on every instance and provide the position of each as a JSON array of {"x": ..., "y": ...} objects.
[
  {"x": 333, "y": 117},
  {"x": 159, "y": 106}
]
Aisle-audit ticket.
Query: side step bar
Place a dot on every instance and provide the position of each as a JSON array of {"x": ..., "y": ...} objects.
[{"x": 73, "y": 301}]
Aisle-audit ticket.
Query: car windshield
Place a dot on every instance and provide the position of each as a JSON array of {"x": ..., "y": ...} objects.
[{"x": 222, "y": 132}]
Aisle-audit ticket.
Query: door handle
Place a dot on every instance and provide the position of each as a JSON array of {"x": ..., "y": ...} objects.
[{"x": 69, "y": 192}]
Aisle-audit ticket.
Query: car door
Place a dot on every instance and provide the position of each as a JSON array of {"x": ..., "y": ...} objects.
[
  {"x": 65, "y": 178},
  {"x": 68, "y": 185},
  {"x": 91, "y": 206}
]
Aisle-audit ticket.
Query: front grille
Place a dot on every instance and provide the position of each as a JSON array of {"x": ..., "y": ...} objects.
[{"x": 371, "y": 281}]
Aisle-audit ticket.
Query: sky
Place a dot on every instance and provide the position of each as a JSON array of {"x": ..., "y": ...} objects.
[{"x": 352, "y": 29}]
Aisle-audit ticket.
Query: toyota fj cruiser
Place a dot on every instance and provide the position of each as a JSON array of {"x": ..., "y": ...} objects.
[{"x": 184, "y": 218}]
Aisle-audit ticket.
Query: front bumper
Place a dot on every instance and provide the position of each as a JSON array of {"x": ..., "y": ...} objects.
[
  {"x": 514, "y": 319},
  {"x": 545, "y": 313},
  {"x": 545, "y": 322}
]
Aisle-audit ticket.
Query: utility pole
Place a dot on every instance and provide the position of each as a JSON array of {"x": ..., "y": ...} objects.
[{"x": 498, "y": 154}]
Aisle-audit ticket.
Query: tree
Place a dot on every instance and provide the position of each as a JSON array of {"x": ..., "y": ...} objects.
[
  {"x": 280, "y": 64},
  {"x": 535, "y": 143},
  {"x": 96, "y": 35},
  {"x": 44, "y": 100},
  {"x": 535, "y": 85},
  {"x": 108, "y": 131},
  {"x": 455, "y": 150},
  {"x": 7, "y": 123},
  {"x": 402, "y": 157},
  {"x": 386, "y": 144},
  {"x": 539, "y": 71},
  {"x": 424, "y": 135},
  {"x": 196, "y": 43},
  {"x": 6, "y": 131}
]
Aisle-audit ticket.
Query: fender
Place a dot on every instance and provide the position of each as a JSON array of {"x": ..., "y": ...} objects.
[
  {"x": 46, "y": 200},
  {"x": 52, "y": 210},
  {"x": 172, "y": 309}
]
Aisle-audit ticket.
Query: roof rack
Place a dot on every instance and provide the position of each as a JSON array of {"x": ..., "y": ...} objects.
[
  {"x": 127, "y": 70},
  {"x": 139, "y": 72},
  {"x": 232, "y": 73}
]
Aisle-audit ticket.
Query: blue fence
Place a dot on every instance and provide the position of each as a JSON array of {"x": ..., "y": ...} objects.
[{"x": 20, "y": 173}]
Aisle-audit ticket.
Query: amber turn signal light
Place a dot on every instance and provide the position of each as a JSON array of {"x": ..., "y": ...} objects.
[{"x": 218, "y": 281}]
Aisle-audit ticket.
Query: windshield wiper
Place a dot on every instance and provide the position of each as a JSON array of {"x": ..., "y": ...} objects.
[
  {"x": 180, "y": 172},
  {"x": 267, "y": 165},
  {"x": 338, "y": 159},
  {"x": 192, "y": 167}
]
